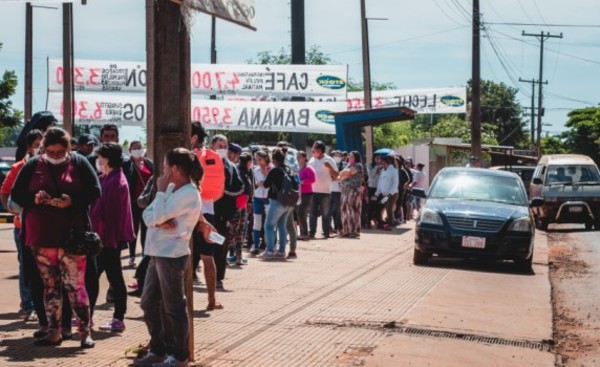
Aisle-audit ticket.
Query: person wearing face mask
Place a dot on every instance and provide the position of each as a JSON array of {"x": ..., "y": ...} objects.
[
  {"x": 326, "y": 171},
  {"x": 86, "y": 144},
  {"x": 225, "y": 207},
  {"x": 26, "y": 311},
  {"x": 138, "y": 170},
  {"x": 351, "y": 180},
  {"x": 109, "y": 133},
  {"x": 112, "y": 220},
  {"x": 55, "y": 191}
]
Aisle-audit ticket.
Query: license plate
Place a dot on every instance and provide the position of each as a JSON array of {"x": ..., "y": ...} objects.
[
  {"x": 575, "y": 209},
  {"x": 473, "y": 242}
]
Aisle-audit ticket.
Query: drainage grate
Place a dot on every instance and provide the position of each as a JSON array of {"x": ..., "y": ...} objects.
[{"x": 544, "y": 345}]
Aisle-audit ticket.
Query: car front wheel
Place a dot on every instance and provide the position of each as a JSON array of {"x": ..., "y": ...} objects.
[
  {"x": 525, "y": 265},
  {"x": 419, "y": 257}
]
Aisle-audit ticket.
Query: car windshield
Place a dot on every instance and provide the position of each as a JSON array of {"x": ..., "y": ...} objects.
[
  {"x": 468, "y": 186},
  {"x": 572, "y": 174}
]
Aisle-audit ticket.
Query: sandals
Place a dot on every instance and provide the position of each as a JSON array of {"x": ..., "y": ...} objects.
[{"x": 216, "y": 306}]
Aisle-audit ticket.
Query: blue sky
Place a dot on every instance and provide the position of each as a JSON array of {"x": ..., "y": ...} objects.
[{"x": 424, "y": 43}]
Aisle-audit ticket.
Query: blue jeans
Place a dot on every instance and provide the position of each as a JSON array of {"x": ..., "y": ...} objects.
[
  {"x": 164, "y": 283},
  {"x": 258, "y": 208},
  {"x": 277, "y": 216},
  {"x": 24, "y": 289},
  {"x": 320, "y": 203}
]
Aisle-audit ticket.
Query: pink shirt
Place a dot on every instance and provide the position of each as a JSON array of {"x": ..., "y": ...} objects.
[{"x": 308, "y": 176}]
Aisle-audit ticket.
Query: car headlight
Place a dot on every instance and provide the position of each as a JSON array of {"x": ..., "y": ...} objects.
[
  {"x": 428, "y": 216},
  {"x": 521, "y": 225}
]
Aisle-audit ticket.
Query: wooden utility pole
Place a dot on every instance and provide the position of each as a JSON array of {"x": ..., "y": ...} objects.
[
  {"x": 68, "y": 111},
  {"x": 533, "y": 82},
  {"x": 298, "y": 57},
  {"x": 366, "y": 78},
  {"x": 543, "y": 36},
  {"x": 28, "y": 61},
  {"x": 476, "y": 85},
  {"x": 169, "y": 97}
]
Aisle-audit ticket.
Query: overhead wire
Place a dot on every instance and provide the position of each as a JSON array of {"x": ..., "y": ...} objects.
[{"x": 446, "y": 14}]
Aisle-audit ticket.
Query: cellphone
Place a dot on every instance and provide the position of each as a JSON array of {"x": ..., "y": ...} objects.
[{"x": 216, "y": 238}]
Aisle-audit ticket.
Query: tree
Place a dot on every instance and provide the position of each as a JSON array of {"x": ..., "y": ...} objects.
[
  {"x": 9, "y": 116},
  {"x": 500, "y": 108},
  {"x": 452, "y": 126},
  {"x": 553, "y": 145},
  {"x": 314, "y": 56},
  {"x": 584, "y": 134}
]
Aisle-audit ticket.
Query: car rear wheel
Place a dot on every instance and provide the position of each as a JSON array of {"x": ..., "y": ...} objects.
[
  {"x": 525, "y": 266},
  {"x": 419, "y": 257},
  {"x": 589, "y": 226}
]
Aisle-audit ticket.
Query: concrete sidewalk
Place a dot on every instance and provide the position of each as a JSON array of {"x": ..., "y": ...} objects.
[{"x": 342, "y": 302}]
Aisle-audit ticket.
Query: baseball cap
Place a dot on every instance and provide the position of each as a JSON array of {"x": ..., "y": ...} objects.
[
  {"x": 235, "y": 148},
  {"x": 87, "y": 139}
]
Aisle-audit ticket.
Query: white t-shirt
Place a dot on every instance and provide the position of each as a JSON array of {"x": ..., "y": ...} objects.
[
  {"x": 260, "y": 192},
  {"x": 323, "y": 183},
  {"x": 418, "y": 180},
  {"x": 208, "y": 207}
]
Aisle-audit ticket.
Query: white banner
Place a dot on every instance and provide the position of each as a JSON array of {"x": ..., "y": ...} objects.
[
  {"x": 282, "y": 81},
  {"x": 241, "y": 12},
  {"x": 130, "y": 110},
  {"x": 432, "y": 100}
]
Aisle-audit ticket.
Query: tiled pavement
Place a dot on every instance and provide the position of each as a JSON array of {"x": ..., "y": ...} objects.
[
  {"x": 325, "y": 308},
  {"x": 276, "y": 313}
]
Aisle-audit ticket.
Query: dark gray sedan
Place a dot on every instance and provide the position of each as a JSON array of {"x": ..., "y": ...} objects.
[{"x": 476, "y": 213}]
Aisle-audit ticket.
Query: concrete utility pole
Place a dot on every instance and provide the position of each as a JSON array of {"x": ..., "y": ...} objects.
[
  {"x": 28, "y": 61},
  {"x": 169, "y": 95},
  {"x": 366, "y": 78},
  {"x": 533, "y": 82},
  {"x": 543, "y": 36},
  {"x": 476, "y": 85},
  {"x": 68, "y": 110},
  {"x": 298, "y": 57}
]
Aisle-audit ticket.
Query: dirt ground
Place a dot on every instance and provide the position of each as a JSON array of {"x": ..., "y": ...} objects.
[{"x": 574, "y": 259}]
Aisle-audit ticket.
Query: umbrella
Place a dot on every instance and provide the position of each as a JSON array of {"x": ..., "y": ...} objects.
[{"x": 383, "y": 151}]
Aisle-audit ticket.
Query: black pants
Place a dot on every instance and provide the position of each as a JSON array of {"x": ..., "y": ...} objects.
[
  {"x": 302, "y": 212},
  {"x": 374, "y": 207},
  {"x": 222, "y": 226},
  {"x": 141, "y": 270},
  {"x": 33, "y": 278},
  {"x": 200, "y": 246},
  {"x": 138, "y": 225},
  {"x": 336, "y": 210},
  {"x": 109, "y": 261}
]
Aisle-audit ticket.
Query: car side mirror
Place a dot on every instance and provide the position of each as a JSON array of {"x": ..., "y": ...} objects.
[
  {"x": 537, "y": 181},
  {"x": 536, "y": 202},
  {"x": 420, "y": 193}
]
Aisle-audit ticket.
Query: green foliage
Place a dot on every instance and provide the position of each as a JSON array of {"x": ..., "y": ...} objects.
[
  {"x": 392, "y": 135},
  {"x": 584, "y": 134},
  {"x": 452, "y": 126},
  {"x": 500, "y": 108},
  {"x": 553, "y": 145},
  {"x": 9, "y": 135},
  {"x": 9, "y": 116},
  {"x": 314, "y": 56}
]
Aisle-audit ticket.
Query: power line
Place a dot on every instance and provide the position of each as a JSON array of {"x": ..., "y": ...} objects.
[
  {"x": 446, "y": 14},
  {"x": 546, "y": 25}
]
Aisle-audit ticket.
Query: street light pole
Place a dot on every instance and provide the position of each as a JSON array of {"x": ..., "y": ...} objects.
[
  {"x": 28, "y": 61},
  {"x": 366, "y": 78},
  {"x": 476, "y": 86}
]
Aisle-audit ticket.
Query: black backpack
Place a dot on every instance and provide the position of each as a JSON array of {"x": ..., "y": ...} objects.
[{"x": 289, "y": 192}]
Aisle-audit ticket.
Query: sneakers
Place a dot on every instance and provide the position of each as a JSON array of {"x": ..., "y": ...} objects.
[
  {"x": 267, "y": 255},
  {"x": 30, "y": 316},
  {"x": 171, "y": 361},
  {"x": 292, "y": 255},
  {"x": 149, "y": 360},
  {"x": 220, "y": 285},
  {"x": 254, "y": 252},
  {"x": 231, "y": 259},
  {"x": 114, "y": 325},
  {"x": 279, "y": 255}
]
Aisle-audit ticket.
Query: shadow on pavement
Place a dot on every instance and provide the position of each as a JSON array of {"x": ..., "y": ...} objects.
[
  {"x": 395, "y": 231},
  {"x": 503, "y": 267}
]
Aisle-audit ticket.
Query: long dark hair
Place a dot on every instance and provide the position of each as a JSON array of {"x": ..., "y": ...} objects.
[{"x": 187, "y": 162}]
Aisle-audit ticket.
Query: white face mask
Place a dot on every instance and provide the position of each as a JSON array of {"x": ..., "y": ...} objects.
[
  {"x": 56, "y": 161},
  {"x": 222, "y": 153},
  {"x": 102, "y": 168},
  {"x": 137, "y": 153},
  {"x": 337, "y": 159}
]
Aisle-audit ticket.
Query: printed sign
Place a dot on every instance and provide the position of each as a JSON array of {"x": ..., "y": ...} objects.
[
  {"x": 280, "y": 81},
  {"x": 237, "y": 11},
  {"x": 130, "y": 110},
  {"x": 435, "y": 100}
]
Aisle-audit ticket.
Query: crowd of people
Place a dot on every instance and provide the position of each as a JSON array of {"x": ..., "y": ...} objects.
[{"x": 220, "y": 196}]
